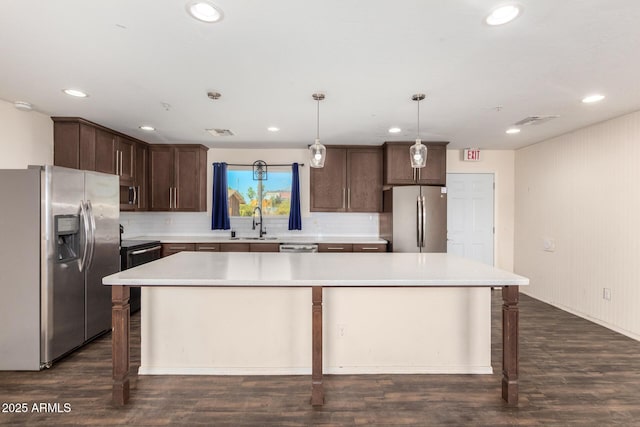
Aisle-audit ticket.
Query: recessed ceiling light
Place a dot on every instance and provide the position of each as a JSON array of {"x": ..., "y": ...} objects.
[
  {"x": 273, "y": 129},
  {"x": 503, "y": 14},
  {"x": 147, "y": 128},
  {"x": 395, "y": 129},
  {"x": 592, "y": 98},
  {"x": 512, "y": 131},
  {"x": 204, "y": 11},
  {"x": 75, "y": 92}
]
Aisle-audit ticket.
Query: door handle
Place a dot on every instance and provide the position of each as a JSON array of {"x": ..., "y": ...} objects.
[
  {"x": 85, "y": 224},
  {"x": 92, "y": 223},
  {"x": 175, "y": 197},
  {"x": 419, "y": 222},
  {"x": 144, "y": 251},
  {"x": 424, "y": 220}
]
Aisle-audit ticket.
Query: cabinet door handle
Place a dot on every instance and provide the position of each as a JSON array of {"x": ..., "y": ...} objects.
[
  {"x": 170, "y": 197},
  {"x": 175, "y": 197},
  {"x": 344, "y": 196},
  {"x": 349, "y": 198},
  {"x": 369, "y": 249},
  {"x": 208, "y": 248},
  {"x": 117, "y": 169},
  {"x": 138, "y": 196},
  {"x": 120, "y": 163},
  {"x": 335, "y": 248}
]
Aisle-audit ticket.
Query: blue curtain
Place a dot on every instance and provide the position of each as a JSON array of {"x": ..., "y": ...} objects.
[
  {"x": 220, "y": 200},
  {"x": 295, "y": 219}
]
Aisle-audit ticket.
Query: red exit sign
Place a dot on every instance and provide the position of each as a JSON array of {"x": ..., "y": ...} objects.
[{"x": 471, "y": 154}]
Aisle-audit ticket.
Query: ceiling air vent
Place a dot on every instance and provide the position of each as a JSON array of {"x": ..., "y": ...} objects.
[
  {"x": 220, "y": 132},
  {"x": 534, "y": 120}
]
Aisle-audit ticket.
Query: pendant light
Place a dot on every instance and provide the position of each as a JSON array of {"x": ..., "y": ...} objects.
[
  {"x": 418, "y": 151},
  {"x": 317, "y": 151}
]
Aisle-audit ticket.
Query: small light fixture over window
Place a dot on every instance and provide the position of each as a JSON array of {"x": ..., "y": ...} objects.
[
  {"x": 317, "y": 151},
  {"x": 395, "y": 129},
  {"x": 418, "y": 151},
  {"x": 205, "y": 11}
]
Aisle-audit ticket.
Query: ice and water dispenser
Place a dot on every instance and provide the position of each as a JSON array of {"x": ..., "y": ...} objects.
[{"x": 67, "y": 229}]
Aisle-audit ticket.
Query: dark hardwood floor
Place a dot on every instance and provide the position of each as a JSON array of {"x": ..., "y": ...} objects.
[{"x": 572, "y": 372}]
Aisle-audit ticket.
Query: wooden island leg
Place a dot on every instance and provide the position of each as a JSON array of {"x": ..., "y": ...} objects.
[
  {"x": 510, "y": 344},
  {"x": 317, "y": 389},
  {"x": 120, "y": 311}
]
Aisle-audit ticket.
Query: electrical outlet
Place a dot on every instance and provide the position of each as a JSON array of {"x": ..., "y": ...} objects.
[
  {"x": 606, "y": 294},
  {"x": 341, "y": 330}
]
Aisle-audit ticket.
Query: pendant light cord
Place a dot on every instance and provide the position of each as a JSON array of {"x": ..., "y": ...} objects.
[
  {"x": 418, "y": 137},
  {"x": 318, "y": 120}
]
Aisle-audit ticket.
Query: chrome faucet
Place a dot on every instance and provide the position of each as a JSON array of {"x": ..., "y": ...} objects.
[{"x": 262, "y": 230}]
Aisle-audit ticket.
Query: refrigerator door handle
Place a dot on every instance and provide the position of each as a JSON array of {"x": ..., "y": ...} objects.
[
  {"x": 419, "y": 222},
  {"x": 85, "y": 224},
  {"x": 92, "y": 223},
  {"x": 424, "y": 220}
]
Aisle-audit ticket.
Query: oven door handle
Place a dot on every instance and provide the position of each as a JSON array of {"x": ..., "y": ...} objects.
[{"x": 144, "y": 251}]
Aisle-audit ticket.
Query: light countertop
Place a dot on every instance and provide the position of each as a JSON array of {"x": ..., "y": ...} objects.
[
  {"x": 315, "y": 269},
  {"x": 365, "y": 240}
]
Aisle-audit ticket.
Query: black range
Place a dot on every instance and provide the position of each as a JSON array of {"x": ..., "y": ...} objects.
[{"x": 134, "y": 253}]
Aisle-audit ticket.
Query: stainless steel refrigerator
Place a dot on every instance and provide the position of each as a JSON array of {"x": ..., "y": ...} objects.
[
  {"x": 60, "y": 230},
  {"x": 414, "y": 218}
]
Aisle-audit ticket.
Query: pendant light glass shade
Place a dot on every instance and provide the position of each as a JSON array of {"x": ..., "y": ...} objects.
[
  {"x": 317, "y": 154},
  {"x": 418, "y": 151},
  {"x": 317, "y": 151}
]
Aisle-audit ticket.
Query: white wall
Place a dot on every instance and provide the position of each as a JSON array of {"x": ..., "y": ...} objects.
[
  {"x": 501, "y": 164},
  {"x": 26, "y": 138},
  {"x": 580, "y": 190}
]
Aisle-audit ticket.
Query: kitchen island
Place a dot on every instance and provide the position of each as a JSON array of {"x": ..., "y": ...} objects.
[{"x": 317, "y": 272}]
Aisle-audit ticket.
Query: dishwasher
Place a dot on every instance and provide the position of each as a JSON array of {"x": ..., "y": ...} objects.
[{"x": 295, "y": 247}]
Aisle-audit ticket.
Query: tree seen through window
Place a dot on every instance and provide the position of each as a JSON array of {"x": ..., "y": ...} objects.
[{"x": 245, "y": 193}]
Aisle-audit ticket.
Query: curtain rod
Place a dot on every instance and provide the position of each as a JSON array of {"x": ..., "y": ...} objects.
[{"x": 268, "y": 164}]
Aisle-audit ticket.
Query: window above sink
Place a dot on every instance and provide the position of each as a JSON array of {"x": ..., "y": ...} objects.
[{"x": 273, "y": 195}]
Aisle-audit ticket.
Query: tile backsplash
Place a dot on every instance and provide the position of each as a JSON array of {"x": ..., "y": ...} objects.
[{"x": 187, "y": 223}]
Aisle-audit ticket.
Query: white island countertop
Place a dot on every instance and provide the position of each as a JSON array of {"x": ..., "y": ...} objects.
[{"x": 315, "y": 269}]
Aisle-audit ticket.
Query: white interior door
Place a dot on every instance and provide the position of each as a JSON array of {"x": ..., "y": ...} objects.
[{"x": 470, "y": 227}]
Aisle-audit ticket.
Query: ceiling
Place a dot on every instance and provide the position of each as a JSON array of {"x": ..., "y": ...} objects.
[{"x": 147, "y": 62}]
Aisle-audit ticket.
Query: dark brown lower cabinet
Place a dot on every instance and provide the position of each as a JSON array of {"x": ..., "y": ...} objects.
[
  {"x": 174, "y": 248},
  {"x": 335, "y": 247}
]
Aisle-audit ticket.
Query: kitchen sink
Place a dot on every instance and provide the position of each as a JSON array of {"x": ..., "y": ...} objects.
[{"x": 260, "y": 238}]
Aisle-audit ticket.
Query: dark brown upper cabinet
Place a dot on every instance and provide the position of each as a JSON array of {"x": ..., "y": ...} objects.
[
  {"x": 81, "y": 144},
  {"x": 398, "y": 170},
  {"x": 351, "y": 180},
  {"x": 177, "y": 178}
]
